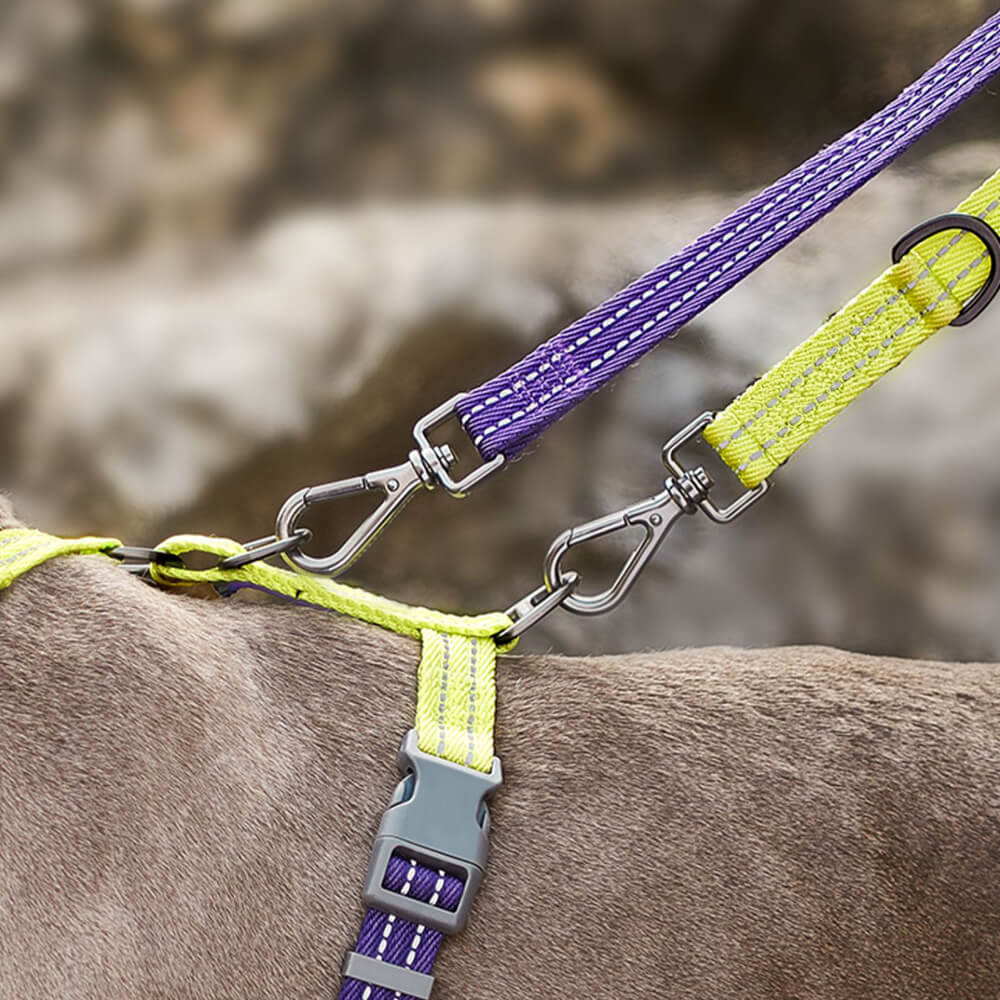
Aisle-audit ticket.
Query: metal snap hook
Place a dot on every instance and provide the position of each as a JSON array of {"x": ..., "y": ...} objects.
[
  {"x": 533, "y": 607},
  {"x": 397, "y": 485},
  {"x": 427, "y": 466},
  {"x": 265, "y": 548},
  {"x": 656, "y": 515}
]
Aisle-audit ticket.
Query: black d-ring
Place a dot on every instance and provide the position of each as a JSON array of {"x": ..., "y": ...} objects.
[{"x": 970, "y": 224}]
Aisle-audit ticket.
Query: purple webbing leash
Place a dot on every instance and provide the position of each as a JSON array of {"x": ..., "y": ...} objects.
[{"x": 503, "y": 416}]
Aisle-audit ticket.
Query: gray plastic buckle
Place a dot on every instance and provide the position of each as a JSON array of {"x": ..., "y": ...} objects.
[{"x": 438, "y": 817}]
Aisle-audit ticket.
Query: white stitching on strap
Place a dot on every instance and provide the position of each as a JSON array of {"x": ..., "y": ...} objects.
[
  {"x": 837, "y": 384},
  {"x": 442, "y": 705},
  {"x": 846, "y": 339},
  {"x": 471, "y": 724},
  {"x": 728, "y": 264},
  {"x": 411, "y": 954}
]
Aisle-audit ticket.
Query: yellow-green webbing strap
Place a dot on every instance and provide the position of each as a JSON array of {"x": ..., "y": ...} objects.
[
  {"x": 456, "y": 679},
  {"x": 872, "y": 334},
  {"x": 397, "y": 617},
  {"x": 456, "y": 685},
  {"x": 456, "y": 698},
  {"x": 22, "y": 549}
]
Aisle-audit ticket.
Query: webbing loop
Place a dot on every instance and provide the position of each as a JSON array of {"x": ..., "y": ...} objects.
[{"x": 971, "y": 224}]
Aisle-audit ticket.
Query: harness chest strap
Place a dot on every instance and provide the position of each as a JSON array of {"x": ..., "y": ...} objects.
[
  {"x": 927, "y": 289},
  {"x": 431, "y": 845}
]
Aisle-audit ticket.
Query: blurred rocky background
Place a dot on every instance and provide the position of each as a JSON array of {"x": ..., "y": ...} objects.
[{"x": 244, "y": 243}]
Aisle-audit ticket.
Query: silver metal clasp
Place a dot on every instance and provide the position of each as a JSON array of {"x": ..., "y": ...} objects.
[
  {"x": 396, "y": 484},
  {"x": 433, "y": 459},
  {"x": 685, "y": 492},
  {"x": 427, "y": 466},
  {"x": 656, "y": 515},
  {"x": 721, "y": 515}
]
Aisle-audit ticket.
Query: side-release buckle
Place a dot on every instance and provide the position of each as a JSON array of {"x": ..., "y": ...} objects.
[{"x": 438, "y": 817}]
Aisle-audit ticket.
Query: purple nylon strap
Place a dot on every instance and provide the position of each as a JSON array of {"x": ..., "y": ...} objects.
[
  {"x": 505, "y": 414},
  {"x": 401, "y": 942}
]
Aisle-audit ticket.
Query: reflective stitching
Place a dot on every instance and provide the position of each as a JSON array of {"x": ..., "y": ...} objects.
[
  {"x": 837, "y": 384},
  {"x": 846, "y": 339},
  {"x": 470, "y": 728},
  {"x": 444, "y": 691}
]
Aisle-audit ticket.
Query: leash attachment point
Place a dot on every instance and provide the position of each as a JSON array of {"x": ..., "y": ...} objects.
[
  {"x": 432, "y": 458},
  {"x": 969, "y": 224},
  {"x": 656, "y": 514},
  {"x": 397, "y": 485},
  {"x": 136, "y": 559},
  {"x": 438, "y": 817},
  {"x": 427, "y": 466},
  {"x": 533, "y": 607},
  {"x": 685, "y": 492},
  {"x": 265, "y": 548}
]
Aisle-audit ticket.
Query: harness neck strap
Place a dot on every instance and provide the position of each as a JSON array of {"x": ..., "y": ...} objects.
[{"x": 22, "y": 549}]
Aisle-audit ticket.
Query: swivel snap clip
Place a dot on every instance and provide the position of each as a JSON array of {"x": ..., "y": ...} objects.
[
  {"x": 397, "y": 484},
  {"x": 657, "y": 515},
  {"x": 428, "y": 465}
]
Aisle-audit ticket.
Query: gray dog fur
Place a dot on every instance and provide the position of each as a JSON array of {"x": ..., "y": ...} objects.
[{"x": 189, "y": 789}]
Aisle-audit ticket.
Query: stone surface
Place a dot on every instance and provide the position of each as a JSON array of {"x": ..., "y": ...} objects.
[
  {"x": 168, "y": 391},
  {"x": 187, "y": 122}
]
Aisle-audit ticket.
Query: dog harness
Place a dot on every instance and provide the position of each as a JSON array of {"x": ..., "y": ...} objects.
[{"x": 431, "y": 844}]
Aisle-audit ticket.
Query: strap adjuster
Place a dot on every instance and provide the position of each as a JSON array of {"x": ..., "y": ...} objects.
[
  {"x": 388, "y": 976},
  {"x": 439, "y": 818}
]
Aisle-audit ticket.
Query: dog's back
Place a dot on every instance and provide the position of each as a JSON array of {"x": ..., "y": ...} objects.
[{"x": 189, "y": 790}]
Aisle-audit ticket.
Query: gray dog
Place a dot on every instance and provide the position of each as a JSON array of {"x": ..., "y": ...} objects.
[{"x": 189, "y": 791}]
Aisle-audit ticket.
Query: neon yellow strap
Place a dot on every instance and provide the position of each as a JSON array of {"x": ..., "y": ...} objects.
[
  {"x": 456, "y": 698},
  {"x": 456, "y": 685},
  {"x": 357, "y": 603},
  {"x": 872, "y": 334},
  {"x": 22, "y": 549}
]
